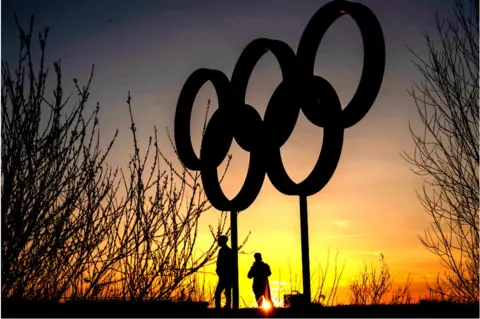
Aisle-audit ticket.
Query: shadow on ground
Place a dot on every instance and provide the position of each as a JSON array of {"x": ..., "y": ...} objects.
[{"x": 149, "y": 309}]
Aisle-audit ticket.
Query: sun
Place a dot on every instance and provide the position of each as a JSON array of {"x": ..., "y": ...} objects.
[{"x": 266, "y": 306}]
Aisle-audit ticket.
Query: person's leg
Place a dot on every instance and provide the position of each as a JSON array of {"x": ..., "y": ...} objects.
[
  {"x": 258, "y": 296},
  {"x": 218, "y": 294},
  {"x": 228, "y": 295},
  {"x": 269, "y": 295}
]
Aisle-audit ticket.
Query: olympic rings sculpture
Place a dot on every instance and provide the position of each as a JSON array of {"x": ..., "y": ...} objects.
[{"x": 299, "y": 90}]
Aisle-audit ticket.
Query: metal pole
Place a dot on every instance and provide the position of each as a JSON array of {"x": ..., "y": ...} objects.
[
  {"x": 234, "y": 234},
  {"x": 305, "y": 249}
]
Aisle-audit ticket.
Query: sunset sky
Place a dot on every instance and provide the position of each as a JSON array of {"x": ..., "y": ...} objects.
[{"x": 150, "y": 48}]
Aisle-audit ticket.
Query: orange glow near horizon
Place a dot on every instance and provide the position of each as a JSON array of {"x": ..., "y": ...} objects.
[
  {"x": 355, "y": 231},
  {"x": 368, "y": 208}
]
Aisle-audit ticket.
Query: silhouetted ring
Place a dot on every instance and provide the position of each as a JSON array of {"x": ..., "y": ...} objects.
[
  {"x": 329, "y": 155},
  {"x": 299, "y": 89},
  {"x": 373, "y": 61},
  {"x": 249, "y": 139},
  {"x": 247, "y": 194},
  {"x": 183, "y": 115},
  {"x": 247, "y": 61}
]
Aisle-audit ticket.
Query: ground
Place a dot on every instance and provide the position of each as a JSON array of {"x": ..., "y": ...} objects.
[{"x": 198, "y": 310}]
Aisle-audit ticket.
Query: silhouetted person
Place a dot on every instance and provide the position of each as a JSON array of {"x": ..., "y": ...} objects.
[
  {"x": 260, "y": 272},
  {"x": 224, "y": 272}
]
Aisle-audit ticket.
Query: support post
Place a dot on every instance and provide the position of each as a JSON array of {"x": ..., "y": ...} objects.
[
  {"x": 305, "y": 249},
  {"x": 234, "y": 235}
]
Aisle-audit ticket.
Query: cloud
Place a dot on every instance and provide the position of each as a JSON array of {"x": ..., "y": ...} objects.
[
  {"x": 342, "y": 236},
  {"x": 342, "y": 223},
  {"x": 370, "y": 253}
]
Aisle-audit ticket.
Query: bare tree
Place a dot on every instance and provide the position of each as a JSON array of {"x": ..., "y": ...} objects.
[
  {"x": 151, "y": 252},
  {"x": 446, "y": 151},
  {"x": 324, "y": 296},
  {"x": 73, "y": 227},
  {"x": 54, "y": 181},
  {"x": 161, "y": 213},
  {"x": 375, "y": 287}
]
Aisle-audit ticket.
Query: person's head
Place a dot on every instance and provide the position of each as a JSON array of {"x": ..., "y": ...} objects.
[
  {"x": 222, "y": 240},
  {"x": 258, "y": 257}
]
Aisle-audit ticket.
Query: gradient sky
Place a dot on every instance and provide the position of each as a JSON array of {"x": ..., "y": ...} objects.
[{"x": 150, "y": 48}]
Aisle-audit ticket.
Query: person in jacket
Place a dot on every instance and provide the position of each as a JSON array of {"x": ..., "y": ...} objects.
[
  {"x": 224, "y": 272},
  {"x": 260, "y": 272}
]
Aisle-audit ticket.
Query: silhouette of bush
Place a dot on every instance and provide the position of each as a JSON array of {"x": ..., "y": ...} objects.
[
  {"x": 376, "y": 287},
  {"x": 322, "y": 295},
  {"x": 55, "y": 182},
  {"x": 446, "y": 150},
  {"x": 67, "y": 233},
  {"x": 324, "y": 283}
]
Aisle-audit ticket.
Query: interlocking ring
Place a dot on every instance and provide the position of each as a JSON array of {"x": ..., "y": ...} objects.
[{"x": 299, "y": 90}]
